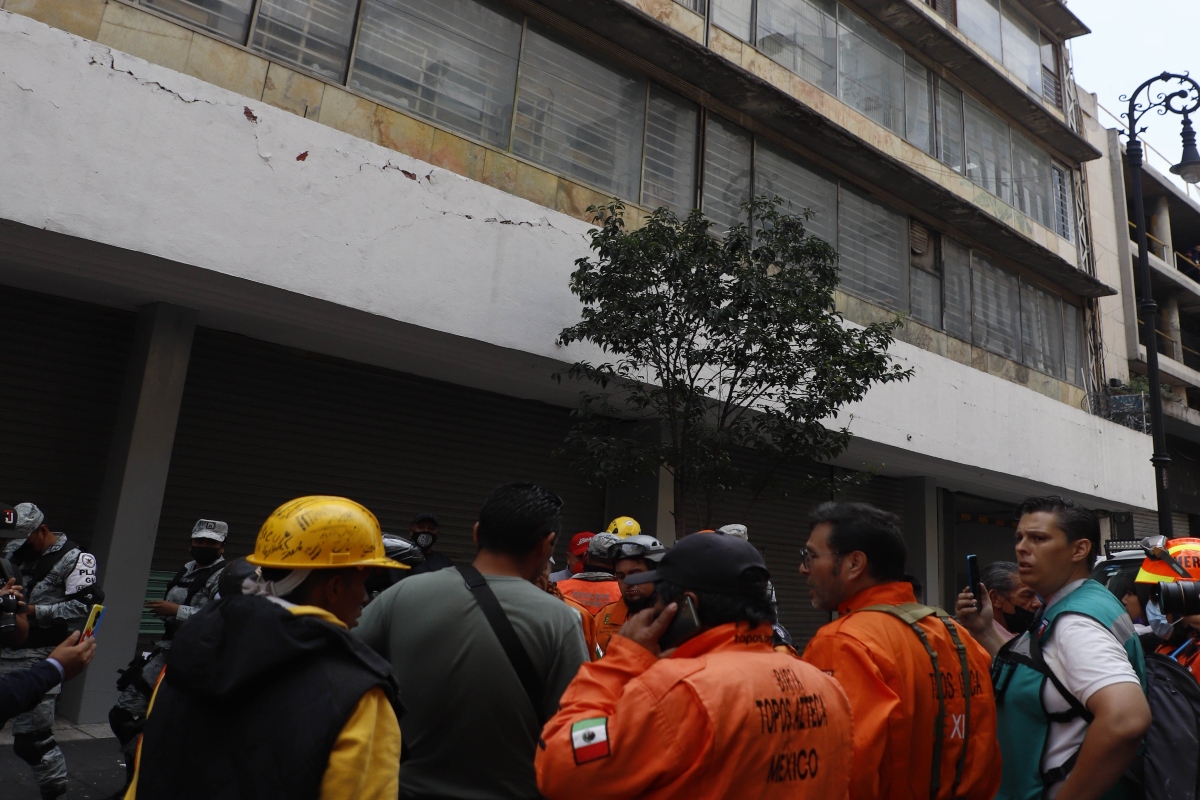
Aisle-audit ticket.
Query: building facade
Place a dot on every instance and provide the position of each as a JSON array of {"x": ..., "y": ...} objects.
[{"x": 259, "y": 248}]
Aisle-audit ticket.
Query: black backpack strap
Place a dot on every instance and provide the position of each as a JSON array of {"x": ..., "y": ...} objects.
[
  {"x": 175, "y": 581},
  {"x": 1077, "y": 709},
  {"x": 48, "y": 561},
  {"x": 521, "y": 663},
  {"x": 197, "y": 581}
]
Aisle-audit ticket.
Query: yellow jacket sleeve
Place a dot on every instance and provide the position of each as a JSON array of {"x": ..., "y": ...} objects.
[{"x": 365, "y": 760}]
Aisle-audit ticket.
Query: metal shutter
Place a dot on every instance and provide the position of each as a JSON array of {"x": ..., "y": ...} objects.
[
  {"x": 63, "y": 365},
  {"x": 261, "y": 424},
  {"x": 1145, "y": 523}
]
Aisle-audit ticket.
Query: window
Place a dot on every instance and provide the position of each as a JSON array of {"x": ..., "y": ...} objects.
[
  {"x": 1051, "y": 85},
  {"x": 979, "y": 20},
  {"x": 669, "y": 170},
  {"x": 1022, "y": 47},
  {"x": 918, "y": 106},
  {"x": 950, "y": 126},
  {"x": 871, "y": 71},
  {"x": 1064, "y": 202},
  {"x": 228, "y": 18},
  {"x": 996, "y": 307},
  {"x": 989, "y": 162},
  {"x": 924, "y": 280},
  {"x": 873, "y": 243},
  {"x": 578, "y": 116},
  {"x": 780, "y": 175},
  {"x": 1031, "y": 180},
  {"x": 313, "y": 34},
  {"x": 802, "y": 36},
  {"x": 956, "y": 280},
  {"x": 450, "y": 61},
  {"x": 727, "y": 154},
  {"x": 734, "y": 16},
  {"x": 1042, "y": 331}
]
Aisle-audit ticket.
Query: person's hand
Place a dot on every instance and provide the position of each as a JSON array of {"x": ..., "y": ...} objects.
[
  {"x": 74, "y": 654},
  {"x": 1192, "y": 621},
  {"x": 647, "y": 627},
  {"x": 162, "y": 608},
  {"x": 975, "y": 616},
  {"x": 12, "y": 587}
]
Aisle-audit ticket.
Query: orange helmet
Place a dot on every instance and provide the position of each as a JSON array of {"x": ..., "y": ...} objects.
[{"x": 1185, "y": 551}]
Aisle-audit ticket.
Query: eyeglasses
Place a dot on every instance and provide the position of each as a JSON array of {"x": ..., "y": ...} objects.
[
  {"x": 807, "y": 556},
  {"x": 628, "y": 550}
]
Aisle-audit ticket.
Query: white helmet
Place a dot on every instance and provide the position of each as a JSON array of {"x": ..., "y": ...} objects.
[{"x": 638, "y": 546}]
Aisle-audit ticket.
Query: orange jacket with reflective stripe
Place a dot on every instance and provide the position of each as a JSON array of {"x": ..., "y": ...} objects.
[
  {"x": 609, "y": 620},
  {"x": 592, "y": 595},
  {"x": 724, "y": 717},
  {"x": 888, "y": 676}
]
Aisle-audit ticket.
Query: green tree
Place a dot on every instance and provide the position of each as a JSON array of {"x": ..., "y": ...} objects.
[{"x": 732, "y": 345}]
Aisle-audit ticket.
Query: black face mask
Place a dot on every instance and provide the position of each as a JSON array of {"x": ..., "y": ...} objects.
[
  {"x": 205, "y": 555},
  {"x": 1019, "y": 619},
  {"x": 425, "y": 540},
  {"x": 641, "y": 604}
]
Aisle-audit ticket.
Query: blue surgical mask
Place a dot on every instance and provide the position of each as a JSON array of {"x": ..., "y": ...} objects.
[{"x": 1158, "y": 621}]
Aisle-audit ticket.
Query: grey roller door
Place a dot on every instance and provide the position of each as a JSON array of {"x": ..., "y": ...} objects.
[
  {"x": 261, "y": 424},
  {"x": 62, "y": 366},
  {"x": 1145, "y": 523}
]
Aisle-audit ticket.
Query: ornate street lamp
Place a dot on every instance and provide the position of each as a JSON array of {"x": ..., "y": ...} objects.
[{"x": 1184, "y": 100}]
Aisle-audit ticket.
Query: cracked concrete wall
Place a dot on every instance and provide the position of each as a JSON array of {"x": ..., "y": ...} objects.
[{"x": 108, "y": 148}]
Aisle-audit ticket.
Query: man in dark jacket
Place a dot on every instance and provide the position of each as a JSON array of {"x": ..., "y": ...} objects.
[{"x": 268, "y": 695}]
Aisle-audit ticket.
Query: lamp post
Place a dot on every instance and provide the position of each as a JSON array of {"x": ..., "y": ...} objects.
[{"x": 1183, "y": 98}]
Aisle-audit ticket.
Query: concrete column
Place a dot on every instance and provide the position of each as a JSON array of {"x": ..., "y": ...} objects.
[
  {"x": 1170, "y": 315},
  {"x": 1160, "y": 228},
  {"x": 921, "y": 535},
  {"x": 131, "y": 498}
]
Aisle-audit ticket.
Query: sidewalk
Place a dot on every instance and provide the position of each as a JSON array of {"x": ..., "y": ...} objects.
[{"x": 93, "y": 763}]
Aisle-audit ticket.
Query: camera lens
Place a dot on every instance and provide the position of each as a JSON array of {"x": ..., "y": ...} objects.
[{"x": 1180, "y": 598}]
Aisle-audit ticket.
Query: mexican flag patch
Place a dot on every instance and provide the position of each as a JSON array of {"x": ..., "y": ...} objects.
[{"x": 589, "y": 739}]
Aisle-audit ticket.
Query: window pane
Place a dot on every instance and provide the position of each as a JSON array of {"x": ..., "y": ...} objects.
[
  {"x": 727, "y": 150},
  {"x": 733, "y": 16},
  {"x": 871, "y": 71},
  {"x": 997, "y": 308},
  {"x": 956, "y": 275},
  {"x": 918, "y": 106},
  {"x": 1022, "y": 47},
  {"x": 1032, "y": 191},
  {"x": 1042, "y": 331},
  {"x": 669, "y": 175},
  {"x": 950, "y": 126},
  {"x": 1073, "y": 336},
  {"x": 1064, "y": 203},
  {"x": 926, "y": 292},
  {"x": 873, "y": 243},
  {"x": 979, "y": 20},
  {"x": 228, "y": 18},
  {"x": 989, "y": 161},
  {"x": 802, "y": 37},
  {"x": 579, "y": 117},
  {"x": 450, "y": 61},
  {"x": 779, "y": 174},
  {"x": 314, "y": 34}
]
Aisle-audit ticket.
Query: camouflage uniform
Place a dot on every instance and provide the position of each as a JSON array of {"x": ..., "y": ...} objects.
[{"x": 61, "y": 599}]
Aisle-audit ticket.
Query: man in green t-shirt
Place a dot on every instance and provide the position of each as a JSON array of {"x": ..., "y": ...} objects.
[{"x": 470, "y": 728}]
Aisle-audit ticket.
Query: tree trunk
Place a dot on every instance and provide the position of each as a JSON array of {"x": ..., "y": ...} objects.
[{"x": 680, "y": 508}]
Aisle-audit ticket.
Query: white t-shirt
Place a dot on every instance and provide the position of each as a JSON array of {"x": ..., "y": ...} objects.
[{"x": 1085, "y": 657}]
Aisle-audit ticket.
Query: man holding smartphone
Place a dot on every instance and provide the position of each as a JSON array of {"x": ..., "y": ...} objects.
[{"x": 691, "y": 700}]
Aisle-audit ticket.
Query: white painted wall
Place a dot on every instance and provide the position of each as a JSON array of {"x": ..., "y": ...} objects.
[{"x": 105, "y": 147}]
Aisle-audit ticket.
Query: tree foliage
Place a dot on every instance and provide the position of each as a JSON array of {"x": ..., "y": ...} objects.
[{"x": 733, "y": 344}]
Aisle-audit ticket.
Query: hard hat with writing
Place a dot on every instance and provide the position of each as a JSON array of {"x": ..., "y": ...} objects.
[
  {"x": 1185, "y": 552},
  {"x": 601, "y": 543},
  {"x": 624, "y": 526},
  {"x": 321, "y": 532},
  {"x": 639, "y": 546}
]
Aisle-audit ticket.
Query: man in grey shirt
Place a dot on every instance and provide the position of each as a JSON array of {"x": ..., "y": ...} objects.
[{"x": 469, "y": 729}]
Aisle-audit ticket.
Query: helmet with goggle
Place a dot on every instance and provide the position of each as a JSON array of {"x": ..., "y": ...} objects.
[
  {"x": 638, "y": 546},
  {"x": 1170, "y": 560}
]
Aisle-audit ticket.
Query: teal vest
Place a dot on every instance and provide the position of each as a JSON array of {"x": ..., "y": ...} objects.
[{"x": 1019, "y": 675}]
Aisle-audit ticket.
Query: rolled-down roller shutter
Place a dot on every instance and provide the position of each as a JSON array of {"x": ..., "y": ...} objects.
[
  {"x": 1145, "y": 523},
  {"x": 261, "y": 424},
  {"x": 62, "y": 367}
]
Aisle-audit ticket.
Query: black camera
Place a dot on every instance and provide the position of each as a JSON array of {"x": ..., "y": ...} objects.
[
  {"x": 1181, "y": 598},
  {"x": 9, "y": 604}
]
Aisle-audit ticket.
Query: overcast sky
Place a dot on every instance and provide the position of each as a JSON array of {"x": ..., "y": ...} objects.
[{"x": 1132, "y": 40}]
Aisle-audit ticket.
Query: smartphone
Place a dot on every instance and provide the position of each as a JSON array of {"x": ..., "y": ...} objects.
[
  {"x": 973, "y": 574},
  {"x": 685, "y": 625},
  {"x": 93, "y": 621}
]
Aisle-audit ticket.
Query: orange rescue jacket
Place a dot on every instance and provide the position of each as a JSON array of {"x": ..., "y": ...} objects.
[
  {"x": 609, "y": 620},
  {"x": 888, "y": 676},
  {"x": 724, "y": 717},
  {"x": 1188, "y": 658},
  {"x": 591, "y": 594},
  {"x": 588, "y": 622}
]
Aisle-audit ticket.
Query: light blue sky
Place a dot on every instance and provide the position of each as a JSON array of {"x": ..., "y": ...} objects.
[{"x": 1132, "y": 40}]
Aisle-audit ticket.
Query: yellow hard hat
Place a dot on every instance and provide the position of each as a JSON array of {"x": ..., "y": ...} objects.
[
  {"x": 320, "y": 532},
  {"x": 624, "y": 526}
]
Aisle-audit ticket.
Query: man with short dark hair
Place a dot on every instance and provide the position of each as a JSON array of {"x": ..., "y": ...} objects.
[
  {"x": 706, "y": 709},
  {"x": 471, "y": 724},
  {"x": 1014, "y": 604},
  {"x": 424, "y": 532},
  {"x": 924, "y": 714},
  {"x": 1072, "y": 708}
]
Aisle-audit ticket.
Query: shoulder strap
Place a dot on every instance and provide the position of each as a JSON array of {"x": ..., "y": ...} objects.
[
  {"x": 911, "y": 614},
  {"x": 504, "y": 631},
  {"x": 47, "y": 561},
  {"x": 198, "y": 580},
  {"x": 175, "y": 581}
]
